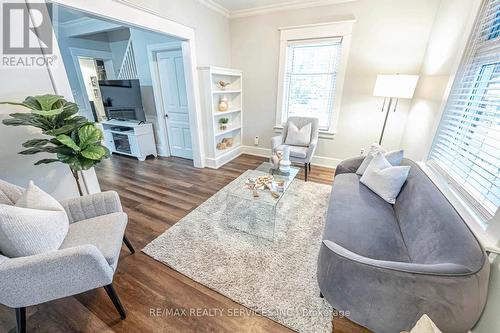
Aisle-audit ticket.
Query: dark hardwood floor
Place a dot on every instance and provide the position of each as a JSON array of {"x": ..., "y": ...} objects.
[{"x": 156, "y": 194}]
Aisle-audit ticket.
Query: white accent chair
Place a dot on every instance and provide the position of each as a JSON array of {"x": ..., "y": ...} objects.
[
  {"x": 299, "y": 154},
  {"x": 86, "y": 260}
]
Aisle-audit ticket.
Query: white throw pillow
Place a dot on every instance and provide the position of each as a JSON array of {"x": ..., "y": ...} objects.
[
  {"x": 36, "y": 224},
  {"x": 394, "y": 157},
  {"x": 298, "y": 137},
  {"x": 384, "y": 179}
]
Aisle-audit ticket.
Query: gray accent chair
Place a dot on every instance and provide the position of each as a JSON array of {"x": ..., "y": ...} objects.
[
  {"x": 390, "y": 264},
  {"x": 299, "y": 154},
  {"x": 87, "y": 259}
]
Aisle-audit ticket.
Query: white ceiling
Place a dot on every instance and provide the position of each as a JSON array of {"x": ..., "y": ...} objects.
[
  {"x": 238, "y": 8},
  {"x": 235, "y": 5}
]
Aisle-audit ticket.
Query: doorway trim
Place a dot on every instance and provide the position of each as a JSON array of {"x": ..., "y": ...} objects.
[
  {"x": 127, "y": 13},
  {"x": 76, "y": 54}
]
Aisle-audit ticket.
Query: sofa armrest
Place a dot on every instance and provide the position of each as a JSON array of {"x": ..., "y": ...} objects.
[
  {"x": 44, "y": 277},
  {"x": 276, "y": 141},
  {"x": 445, "y": 269},
  {"x": 92, "y": 205},
  {"x": 349, "y": 165}
]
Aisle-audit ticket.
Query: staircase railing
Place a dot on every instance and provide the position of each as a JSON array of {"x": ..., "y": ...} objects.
[{"x": 128, "y": 69}]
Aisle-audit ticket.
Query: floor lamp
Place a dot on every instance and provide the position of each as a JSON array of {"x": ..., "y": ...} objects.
[{"x": 393, "y": 87}]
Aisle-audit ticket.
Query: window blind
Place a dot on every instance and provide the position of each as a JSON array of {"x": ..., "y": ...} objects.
[
  {"x": 466, "y": 148},
  {"x": 310, "y": 77}
]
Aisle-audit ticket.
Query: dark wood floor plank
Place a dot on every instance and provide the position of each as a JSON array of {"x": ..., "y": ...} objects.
[{"x": 156, "y": 194}]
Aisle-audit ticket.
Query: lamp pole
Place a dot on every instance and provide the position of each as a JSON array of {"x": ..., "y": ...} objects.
[{"x": 387, "y": 116}]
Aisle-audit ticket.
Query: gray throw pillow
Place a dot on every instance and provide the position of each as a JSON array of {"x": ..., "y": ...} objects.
[
  {"x": 393, "y": 157},
  {"x": 384, "y": 179},
  {"x": 36, "y": 224},
  {"x": 298, "y": 137}
]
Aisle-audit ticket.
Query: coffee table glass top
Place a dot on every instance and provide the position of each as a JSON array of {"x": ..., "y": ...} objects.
[
  {"x": 256, "y": 215},
  {"x": 265, "y": 196}
]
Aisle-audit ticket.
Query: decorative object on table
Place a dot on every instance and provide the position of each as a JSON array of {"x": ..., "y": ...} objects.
[
  {"x": 223, "y": 104},
  {"x": 223, "y": 84},
  {"x": 285, "y": 160},
  {"x": 276, "y": 159},
  {"x": 394, "y": 87},
  {"x": 271, "y": 267},
  {"x": 228, "y": 141},
  {"x": 74, "y": 140},
  {"x": 221, "y": 146},
  {"x": 223, "y": 123},
  {"x": 299, "y": 154}
]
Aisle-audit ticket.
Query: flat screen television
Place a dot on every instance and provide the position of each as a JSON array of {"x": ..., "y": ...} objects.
[{"x": 122, "y": 99}]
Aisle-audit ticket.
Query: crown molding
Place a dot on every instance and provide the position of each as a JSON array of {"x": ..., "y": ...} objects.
[
  {"x": 216, "y": 7},
  {"x": 259, "y": 10}
]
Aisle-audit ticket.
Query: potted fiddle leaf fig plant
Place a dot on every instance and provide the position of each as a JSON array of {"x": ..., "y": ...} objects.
[{"x": 73, "y": 139}]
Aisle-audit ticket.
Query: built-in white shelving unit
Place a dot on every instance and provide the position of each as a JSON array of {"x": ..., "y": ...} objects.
[{"x": 212, "y": 94}]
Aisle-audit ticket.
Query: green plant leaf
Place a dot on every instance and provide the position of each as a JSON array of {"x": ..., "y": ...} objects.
[
  {"x": 95, "y": 152},
  {"x": 32, "y": 103},
  {"x": 65, "y": 158},
  {"x": 88, "y": 135},
  {"x": 48, "y": 113},
  {"x": 36, "y": 150},
  {"x": 47, "y": 161},
  {"x": 35, "y": 143},
  {"x": 68, "y": 142},
  {"x": 61, "y": 130},
  {"x": 47, "y": 101}
]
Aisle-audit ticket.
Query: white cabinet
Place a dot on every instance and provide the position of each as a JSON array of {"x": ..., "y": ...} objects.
[
  {"x": 129, "y": 138},
  {"x": 217, "y": 154}
]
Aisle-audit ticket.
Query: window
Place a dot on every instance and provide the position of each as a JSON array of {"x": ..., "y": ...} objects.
[
  {"x": 312, "y": 67},
  {"x": 466, "y": 148},
  {"x": 310, "y": 76}
]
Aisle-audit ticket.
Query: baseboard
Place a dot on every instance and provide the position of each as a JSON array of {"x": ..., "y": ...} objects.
[
  {"x": 327, "y": 162},
  {"x": 215, "y": 163}
]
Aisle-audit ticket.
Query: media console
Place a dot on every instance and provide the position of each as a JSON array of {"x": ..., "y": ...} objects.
[{"x": 129, "y": 138}]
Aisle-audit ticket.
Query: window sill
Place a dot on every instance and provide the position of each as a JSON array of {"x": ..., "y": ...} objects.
[
  {"x": 328, "y": 135},
  {"x": 476, "y": 225}
]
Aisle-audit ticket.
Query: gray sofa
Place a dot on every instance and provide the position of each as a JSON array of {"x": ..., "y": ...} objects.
[{"x": 389, "y": 264}]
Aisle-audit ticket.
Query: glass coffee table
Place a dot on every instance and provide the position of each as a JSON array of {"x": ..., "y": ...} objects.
[{"x": 257, "y": 215}]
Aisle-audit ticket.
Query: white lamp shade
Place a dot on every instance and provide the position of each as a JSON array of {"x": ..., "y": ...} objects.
[{"x": 397, "y": 86}]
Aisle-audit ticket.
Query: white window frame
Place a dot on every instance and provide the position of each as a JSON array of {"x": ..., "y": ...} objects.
[
  {"x": 488, "y": 236},
  {"x": 342, "y": 29}
]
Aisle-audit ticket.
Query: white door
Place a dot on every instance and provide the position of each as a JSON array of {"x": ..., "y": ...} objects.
[{"x": 174, "y": 97}]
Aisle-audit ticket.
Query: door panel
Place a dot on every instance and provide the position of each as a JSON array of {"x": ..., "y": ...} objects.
[{"x": 174, "y": 97}]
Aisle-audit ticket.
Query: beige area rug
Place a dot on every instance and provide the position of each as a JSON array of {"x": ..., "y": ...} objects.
[{"x": 275, "y": 278}]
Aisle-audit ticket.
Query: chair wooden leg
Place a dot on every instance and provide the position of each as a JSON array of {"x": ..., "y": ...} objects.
[
  {"x": 21, "y": 320},
  {"x": 309, "y": 167},
  {"x": 116, "y": 300},
  {"x": 128, "y": 244},
  {"x": 321, "y": 294},
  {"x": 305, "y": 169}
]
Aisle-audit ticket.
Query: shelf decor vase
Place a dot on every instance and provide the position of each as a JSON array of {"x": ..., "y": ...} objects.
[{"x": 223, "y": 104}]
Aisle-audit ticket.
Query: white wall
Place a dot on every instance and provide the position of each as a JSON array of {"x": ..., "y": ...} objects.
[
  {"x": 54, "y": 178},
  {"x": 390, "y": 36},
  {"x": 211, "y": 28},
  {"x": 446, "y": 43}
]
